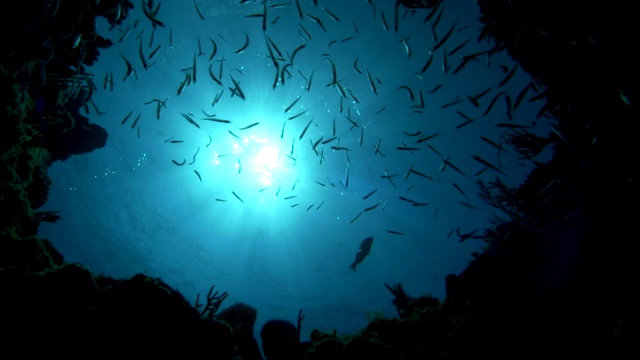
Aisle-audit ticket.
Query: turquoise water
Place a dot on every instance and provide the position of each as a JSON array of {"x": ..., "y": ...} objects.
[{"x": 261, "y": 212}]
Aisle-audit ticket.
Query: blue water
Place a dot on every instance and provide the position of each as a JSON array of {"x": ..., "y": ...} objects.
[{"x": 127, "y": 208}]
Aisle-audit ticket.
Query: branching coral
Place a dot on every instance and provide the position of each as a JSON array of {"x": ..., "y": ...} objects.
[
  {"x": 528, "y": 145},
  {"x": 213, "y": 303}
]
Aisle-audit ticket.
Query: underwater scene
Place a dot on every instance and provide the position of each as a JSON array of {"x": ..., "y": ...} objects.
[
  {"x": 254, "y": 146},
  {"x": 312, "y": 179}
]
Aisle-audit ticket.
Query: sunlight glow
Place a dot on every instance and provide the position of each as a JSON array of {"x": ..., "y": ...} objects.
[
  {"x": 264, "y": 159},
  {"x": 255, "y": 158}
]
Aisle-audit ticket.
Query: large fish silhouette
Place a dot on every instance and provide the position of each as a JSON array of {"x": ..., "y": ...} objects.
[{"x": 363, "y": 251}]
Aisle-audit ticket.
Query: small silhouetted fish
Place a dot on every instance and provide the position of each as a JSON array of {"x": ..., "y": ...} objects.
[{"x": 363, "y": 251}]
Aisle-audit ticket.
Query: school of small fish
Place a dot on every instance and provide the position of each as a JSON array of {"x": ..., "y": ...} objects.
[{"x": 393, "y": 126}]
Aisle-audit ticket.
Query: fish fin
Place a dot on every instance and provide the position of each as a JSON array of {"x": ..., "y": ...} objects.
[{"x": 353, "y": 266}]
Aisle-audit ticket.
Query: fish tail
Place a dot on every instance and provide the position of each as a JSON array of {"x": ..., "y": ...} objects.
[{"x": 353, "y": 266}]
